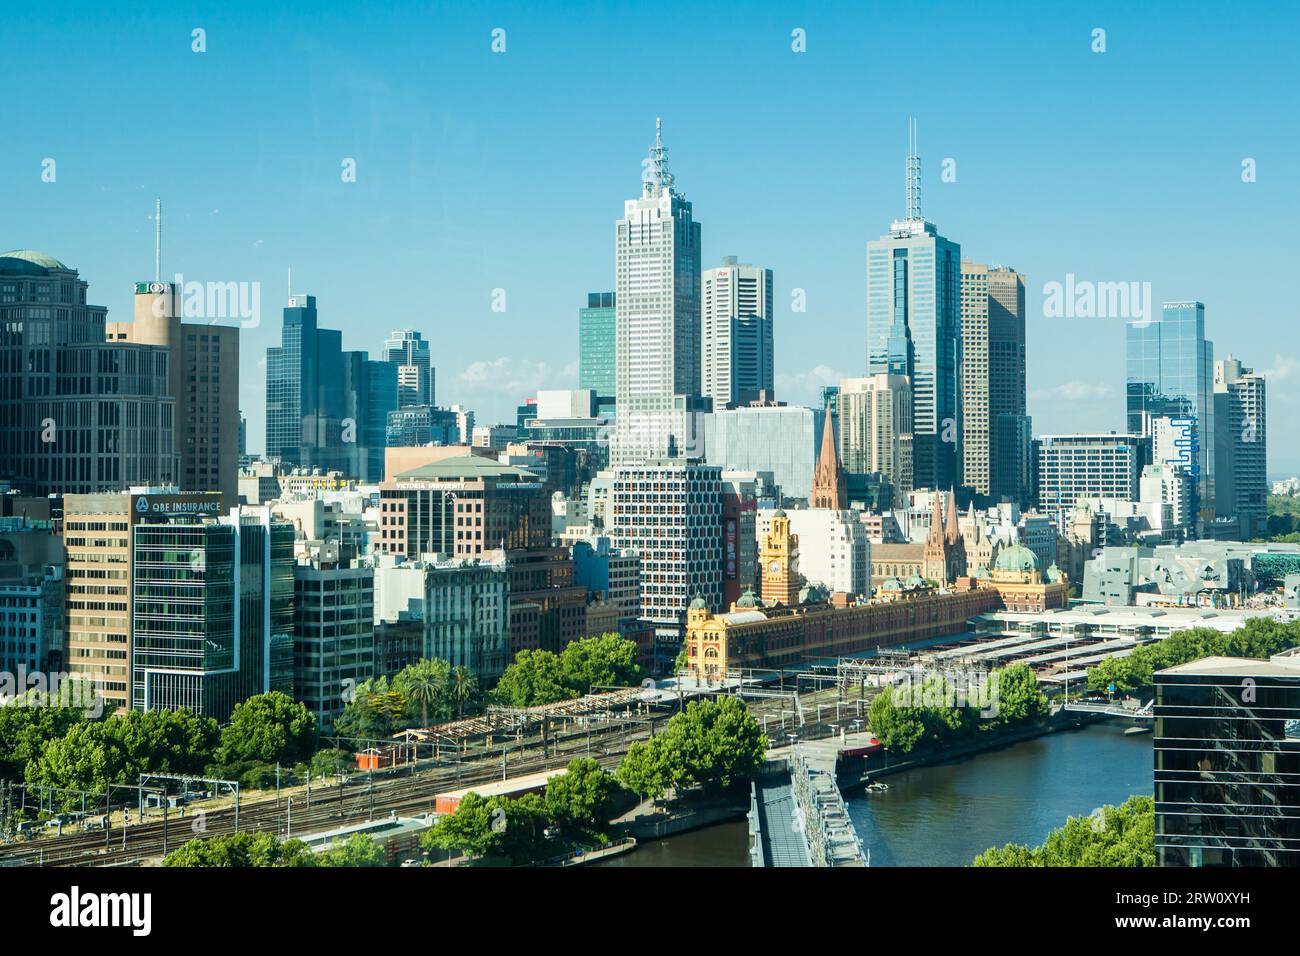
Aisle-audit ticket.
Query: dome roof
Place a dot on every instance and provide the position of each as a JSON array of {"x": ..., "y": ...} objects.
[
  {"x": 747, "y": 600},
  {"x": 1054, "y": 574},
  {"x": 890, "y": 584},
  {"x": 1016, "y": 558},
  {"x": 698, "y": 604},
  {"x": 811, "y": 594},
  {"x": 29, "y": 262},
  {"x": 779, "y": 513}
]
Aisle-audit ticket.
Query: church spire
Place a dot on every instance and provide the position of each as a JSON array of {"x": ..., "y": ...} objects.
[
  {"x": 830, "y": 489},
  {"x": 952, "y": 531}
]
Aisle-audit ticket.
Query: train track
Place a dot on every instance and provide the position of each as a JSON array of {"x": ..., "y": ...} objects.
[
  {"x": 400, "y": 792},
  {"x": 330, "y": 807}
]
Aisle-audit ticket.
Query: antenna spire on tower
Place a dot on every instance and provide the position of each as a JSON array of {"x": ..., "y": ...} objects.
[
  {"x": 157, "y": 240},
  {"x": 657, "y": 177},
  {"x": 913, "y": 169}
]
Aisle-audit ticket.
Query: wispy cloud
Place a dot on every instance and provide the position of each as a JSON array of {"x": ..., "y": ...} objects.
[
  {"x": 805, "y": 387},
  {"x": 1072, "y": 392}
]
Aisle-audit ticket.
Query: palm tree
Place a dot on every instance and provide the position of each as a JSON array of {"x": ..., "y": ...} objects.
[
  {"x": 463, "y": 689},
  {"x": 423, "y": 685}
]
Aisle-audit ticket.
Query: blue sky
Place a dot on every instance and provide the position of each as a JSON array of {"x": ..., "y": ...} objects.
[{"x": 478, "y": 170}]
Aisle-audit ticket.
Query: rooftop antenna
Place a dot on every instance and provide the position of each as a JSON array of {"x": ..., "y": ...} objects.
[
  {"x": 913, "y": 169},
  {"x": 157, "y": 240},
  {"x": 289, "y": 282},
  {"x": 660, "y": 178}
]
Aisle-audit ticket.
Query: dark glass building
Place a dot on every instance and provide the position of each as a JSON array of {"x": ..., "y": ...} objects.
[
  {"x": 1171, "y": 375},
  {"x": 325, "y": 408},
  {"x": 1227, "y": 762},
  {"x": 212, "y": 611}
]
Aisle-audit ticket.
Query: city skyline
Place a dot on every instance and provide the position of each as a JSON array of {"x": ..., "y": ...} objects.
[{"x": 369, "y": 254}]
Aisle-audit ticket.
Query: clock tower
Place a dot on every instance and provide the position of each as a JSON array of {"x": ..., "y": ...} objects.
[{"x": 779, "y": 558}]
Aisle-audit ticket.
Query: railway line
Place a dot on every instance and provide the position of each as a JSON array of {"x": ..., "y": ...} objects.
[{"x": 405, "y": 789}]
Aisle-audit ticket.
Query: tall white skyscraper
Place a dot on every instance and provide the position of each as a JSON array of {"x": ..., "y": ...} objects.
[
  {"x": 657, "y": 318},
  {"x": 737, "y": 333}
]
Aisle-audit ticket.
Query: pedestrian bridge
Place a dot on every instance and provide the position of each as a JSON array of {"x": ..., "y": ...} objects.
[
  {"x": 1119, "y": 708},
  {"x": 797, "y": 816}
]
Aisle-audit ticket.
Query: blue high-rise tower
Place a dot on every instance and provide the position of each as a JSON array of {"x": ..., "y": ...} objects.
[
  {"x": 914, "y": 329},
  {"x": 1171, "y": 376}
]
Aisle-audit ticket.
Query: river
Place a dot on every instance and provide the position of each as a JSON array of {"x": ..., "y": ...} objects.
[{"x": 946, "y": 814}]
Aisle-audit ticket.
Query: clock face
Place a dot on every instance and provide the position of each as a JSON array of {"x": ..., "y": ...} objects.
[{"x": 774, "y": 567}]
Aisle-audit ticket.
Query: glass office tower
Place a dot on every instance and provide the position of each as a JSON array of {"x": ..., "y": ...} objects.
[
  {"x": 914, "y": 329},
  {"x": 1171, "y": 375},
  {"x": 596, "y": 344},
  {"x": 1227, "y": 762}
]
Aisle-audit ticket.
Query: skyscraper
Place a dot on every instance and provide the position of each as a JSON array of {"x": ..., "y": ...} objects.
[
  {"x": 325, "y": 408},
  {"x": 78, "y": 414},
  {"x": 913, "y": 329},
  {"x": 875, "y": 415},
  {"x": 657, "y": 309},
  {"x": 736, "y": 323},
  {"x": 203, "y": 368},
  {"x": 995, "y": 436},
  {"x": 596, "y": 337},
  {"x": 212, "y": 605},
  {"x": 1171, "y": 375},
  {"x": 1240, "y": 447},
  {"x": 408, "y": 350}
]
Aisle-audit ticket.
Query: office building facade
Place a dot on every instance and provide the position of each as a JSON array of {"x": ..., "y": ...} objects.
[
  {"x": 736, "y": 334},
  {"x": 657, "y": 328},
  {"x": 875, "y": 429},
  {"x": 914, "y": 329},
  {"x": 1171, "y": 375},
  {"x": 1227, "y": 762},
  {"x": 995, "y": 447},
  {"x": 1070, "y": 467},
  {"x": 596, "y": 344},
  {"x": 407, "y": 350},
  {"x": 779, "y": 439},
  {"x": 1241, "y": 447}
]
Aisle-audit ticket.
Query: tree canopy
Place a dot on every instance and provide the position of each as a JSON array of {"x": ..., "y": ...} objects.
[{"x": 1122, "y": 836}]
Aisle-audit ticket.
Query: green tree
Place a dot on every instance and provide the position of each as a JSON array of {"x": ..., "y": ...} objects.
[
  {"x": 357, "y": 850},
  {"x": 424, "y": 684},
  {"x": 269, "y": 728},
  {"x": 604, "y": 661},
  {"x": 582, "y": 796},
  {"x": 327, "y": 763},
  {"x": 26, "y": 724},
  {"x": 93, "y": 754},
  {"x": 462, "y": 689},
  {"x": 712, "y": 744},
  {"x": 897, "y": 728},
  {"x": 1122, "y": 836},
  {"x": 1019, "y": 698},
  {"x": 643, "y": 771},
  {"x": 493, "y": 827},
  {"x": 375, "y": 711},
  {"x": 536, "y": 677},
  {"x": 241, "y": 850}
]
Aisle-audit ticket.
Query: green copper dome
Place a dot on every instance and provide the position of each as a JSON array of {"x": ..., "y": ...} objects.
[
  {"x": 747, "y": 600},
  {"x": 1016, "y": 558},
  {"x": 698, "y": 604},
  {"x": 29, "y": 262}
]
